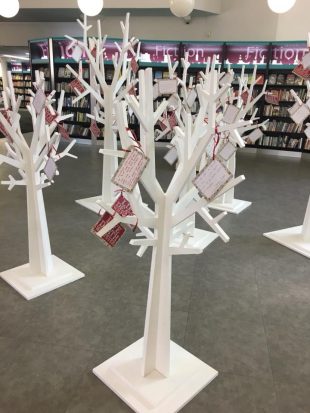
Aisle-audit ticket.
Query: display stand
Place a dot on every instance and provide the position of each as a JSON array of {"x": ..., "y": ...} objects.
[
  {"x": 106, "y": 95},
  {"x": 44, "y": 272},
  {"x": 295, "y": 238},
  {"x": 154, "y": 374},
  {"x": 228, "y": 202}
]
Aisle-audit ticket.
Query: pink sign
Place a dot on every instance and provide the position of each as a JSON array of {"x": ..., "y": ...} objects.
[
  {"x": 62, "y": 49},
  {"x": 247, "y": 53},
  {"x": 157, "y": 52},
  {"x": 288, "y": 54},
  {"x": 200, "y": 52}
]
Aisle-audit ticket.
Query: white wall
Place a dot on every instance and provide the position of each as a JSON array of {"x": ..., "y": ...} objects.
[{"x": 239, "y": 20}]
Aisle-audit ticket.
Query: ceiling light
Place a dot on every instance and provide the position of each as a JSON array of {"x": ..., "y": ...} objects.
[
  {"x": 9, "y": 9},
  {"x": 15, "y": 57},
  {"x": 90, "y": 7},
  {"x": 182, "y": 8},
  {"x": 280, "y": 6}
]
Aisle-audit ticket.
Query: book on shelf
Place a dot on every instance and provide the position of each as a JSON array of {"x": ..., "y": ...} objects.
[
  {"x": 65, "y": 72},
  {"x": 287, "y": 80},
  {"x": 281, "y": 142},
  {"x": 78, "y": 130},
  {"x": 307, "y": 145},
  {"x": 280, "y": 126}
]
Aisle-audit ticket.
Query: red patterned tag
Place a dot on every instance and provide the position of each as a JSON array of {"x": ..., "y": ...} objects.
[
  {"x": 162, "y": 125},
  {"x": 134, "y": 65},
  {"x": 172, "y": 119},
  {"x": 76, "y": 85},
  {"x": 122, "y": 207},
  {"x": 300, "y": 71},
  {"x": 94, "y": 129},
  {"x": 114, "y": 235},
  {"x": 94, "y": 52},
  {"x": 63, "y": 132},
  {"x": 49, "y": 117}
]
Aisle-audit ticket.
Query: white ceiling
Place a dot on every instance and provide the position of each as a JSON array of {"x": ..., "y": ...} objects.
[{"x": 67, "y": 10}]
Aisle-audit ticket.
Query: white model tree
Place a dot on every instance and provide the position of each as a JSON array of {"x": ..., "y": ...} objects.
[
  {"x": 298, "y": 238},
  {"x": 105, "y": 95},
  {"x": 155, "y": 374},
  {"x": 36, "y": 165}
]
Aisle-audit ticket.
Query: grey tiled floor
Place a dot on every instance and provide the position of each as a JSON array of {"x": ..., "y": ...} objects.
[{"x": 242, "y": 307}]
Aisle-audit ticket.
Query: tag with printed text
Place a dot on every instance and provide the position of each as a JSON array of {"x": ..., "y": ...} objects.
[
  {"x": 130, "y": 170},
  {"x": 111, "y": 237},
  {"x": 122, "y": 207}
]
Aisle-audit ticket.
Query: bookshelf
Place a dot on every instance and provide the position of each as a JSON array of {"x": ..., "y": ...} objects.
[
  {"x": 272, "y": 59},
  {"x": 21, "y": 77}
]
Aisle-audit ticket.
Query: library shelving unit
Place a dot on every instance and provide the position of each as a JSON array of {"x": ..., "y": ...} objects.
[
  {"x": 21, "y": 77},
  {"x": 40, "y": 59},
  {"x": 282, "y": 133},
  {"x": 275, "y": 63},
  {"x": 78, "y": 125}
]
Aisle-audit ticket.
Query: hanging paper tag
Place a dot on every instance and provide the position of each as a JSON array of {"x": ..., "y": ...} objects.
[
  {"x": 172, "y": 119},
  {"x": 164, "y": 124},
  {"x": 307, "y": 132},
  {"x": 226, "y": 151},
  {"x": 171, "y": 156},
  {"x": 212, "y": 179},
  {"x": 130, "y": 169},
  {"x": 50, "y": 169},
  {"x": 230, "y": 114},
  {"x": 244, "y": 97},
  {"x": 302, "y": 72},
  {"x": 306, "y": 61},
  {"x": 167, "y": 86},
  {"x": 39, "y": 101},
  {"x": 63, "y": 132},
  {"x": 94, "y": 52},
  {"x": 77, "y": 53},
  {"x": 226, "y": 79},
  {"x": 132, "y": 91},
  {"x": 111, "y": 237},
  {"x": 272, "y": 97},
  {"x": 293, "y": 109},
  {"x": 134, "y": 65},
  {"x": 94, "y": 129},
  {"x": 254, "y": 136},
  {"x": 49, "y": 117},
  {"x": 77, "y": 86},
  {"x": 301, "y": 114},
  {"x": 122, "y": 207}
]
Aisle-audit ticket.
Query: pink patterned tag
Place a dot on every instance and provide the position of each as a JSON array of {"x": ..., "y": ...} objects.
[
  {"x": 112, "y": 237},
  {"x": 49, "y": 117},
  {"x": 39, "y": 101},
  {"x": 63, "y": 132},
  {"x": 122, "y": 207},
  {"x": 94, "y": 129},
  {"x": 76, "y": 85},
  {"x": 134, "y": 65},
  {"x": 172, "y": 119}
]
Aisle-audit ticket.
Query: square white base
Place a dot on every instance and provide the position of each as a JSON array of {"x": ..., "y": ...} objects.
[
  {"x": 91, "y": 203},
  {"x": 31, "y": 285},
  {"x": 291, "y": 238},
  {"x": 155, "y": 393},
  {"x": 234, "y": 207}
]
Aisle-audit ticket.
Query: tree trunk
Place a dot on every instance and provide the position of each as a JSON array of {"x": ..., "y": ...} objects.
[
  {"x": 158, "y": 316},
  {"x": 40, "y": 257},
  {"x": 110, "y": 163}
]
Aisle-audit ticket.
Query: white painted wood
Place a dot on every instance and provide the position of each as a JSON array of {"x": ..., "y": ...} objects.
[{"x": 44, "y": 272}]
